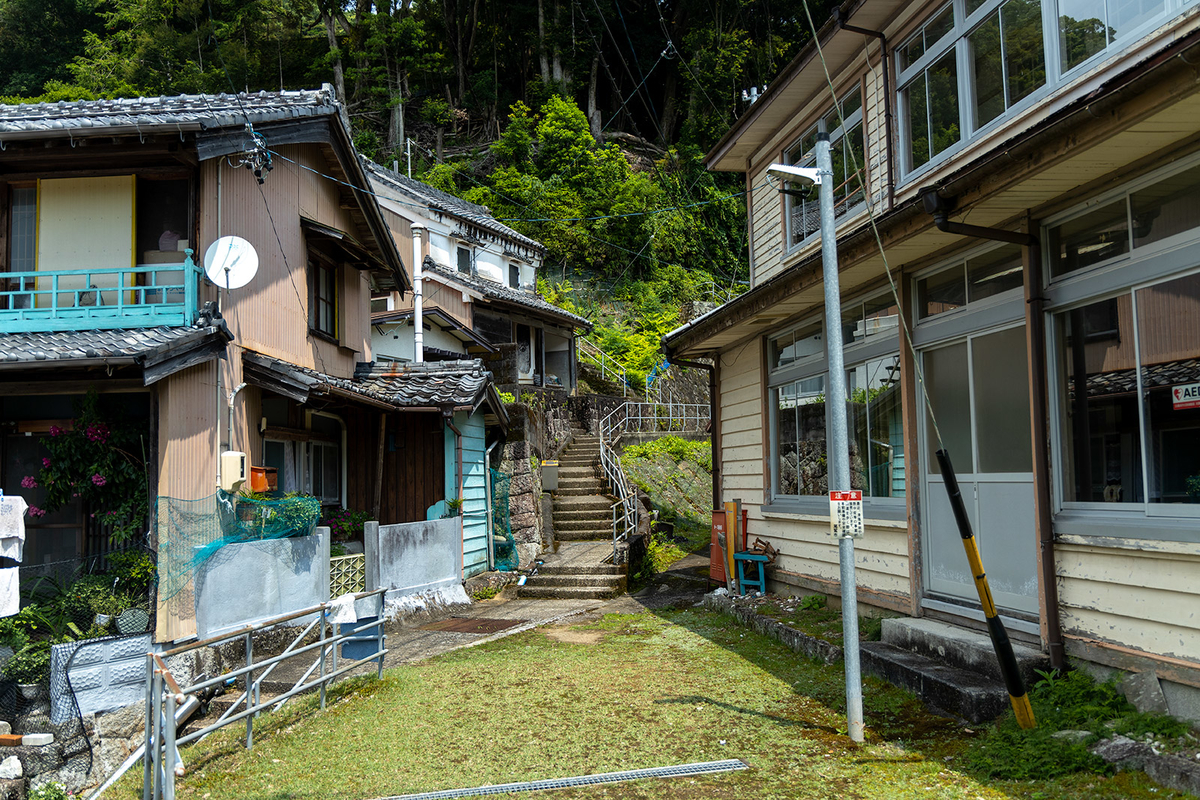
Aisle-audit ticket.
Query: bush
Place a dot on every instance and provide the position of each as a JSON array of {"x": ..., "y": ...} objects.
[
  {"x": 49, "y": 791},
  {"x": 134, "y": 570},
  {"x": 345, "y": 524},
  {"x": 675, "y": 448},
  {"x": 30, "y": 665}
]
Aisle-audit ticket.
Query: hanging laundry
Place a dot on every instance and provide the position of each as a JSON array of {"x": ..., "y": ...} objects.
[
  {"x": 12, "y": 526},
  {"x": 10, "y": 592}
]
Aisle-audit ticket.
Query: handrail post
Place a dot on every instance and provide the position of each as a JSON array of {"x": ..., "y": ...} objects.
[
  {"x": 323, "y": 646},
  {"x": 168, "y": 738},
  {"x": 156, "y": 695},
  {"x": 249, "y": 691},
  {"x": 147, "y": 751}
]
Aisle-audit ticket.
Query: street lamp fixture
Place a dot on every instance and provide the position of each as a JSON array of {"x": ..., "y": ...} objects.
[{"x": 810, "y": 176}]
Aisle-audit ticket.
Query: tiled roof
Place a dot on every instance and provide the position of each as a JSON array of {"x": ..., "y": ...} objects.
[
  {"x": 498, "y": 291},
  {"x": 430, "y": 383},
  {"x": 37, "y": 348},
  {"x": 185, "y": 112},
  {"x": 447, "y": 203}
]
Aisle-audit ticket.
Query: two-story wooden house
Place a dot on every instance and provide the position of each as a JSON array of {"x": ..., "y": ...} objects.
[
  {"x": 479, "y": 289},
  {"x": 1024, "y": 173},
  {"x": 101, "y": 204}
]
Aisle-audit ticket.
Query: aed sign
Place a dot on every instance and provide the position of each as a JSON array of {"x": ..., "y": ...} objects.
[
  {"x": 1186, "y": 396},
  {"x": 846, "y": 514}
]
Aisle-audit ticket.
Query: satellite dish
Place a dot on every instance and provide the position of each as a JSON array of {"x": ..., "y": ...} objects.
[{"x": 230, "y": 262}]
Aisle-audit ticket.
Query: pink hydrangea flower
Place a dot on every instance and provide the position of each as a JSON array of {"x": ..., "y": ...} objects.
[
  {"x": 97, "y": 432},
  {"x": 55, "y": 430},
  {"x": 99, "y": 479},
  {"x": 45, "y": 463},
  {"x": 34, "y": 511},
  {"x": 28, "y": 482}
]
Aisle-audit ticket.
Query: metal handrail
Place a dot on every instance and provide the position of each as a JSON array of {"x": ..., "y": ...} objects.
[
  {"x": 163, "y": 694},
  {"x": 606, "y": 363},
  {"x": 653, "y": 418}
]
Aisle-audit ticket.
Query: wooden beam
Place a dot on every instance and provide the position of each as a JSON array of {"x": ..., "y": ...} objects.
[
  {"x": 379, "y": 466},
  {"x": 101, "y": 385}
]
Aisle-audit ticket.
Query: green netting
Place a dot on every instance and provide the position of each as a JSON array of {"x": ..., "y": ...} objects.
[
  {"x": 189, "y": 532},
  {"x": 504, "y": 546}
]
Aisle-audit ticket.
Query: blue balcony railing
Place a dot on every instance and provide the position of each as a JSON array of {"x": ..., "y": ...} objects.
[{"x": 143, "y": 296}]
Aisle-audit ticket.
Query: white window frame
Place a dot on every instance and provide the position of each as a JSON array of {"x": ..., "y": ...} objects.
[
  {"x": 793, "y": 155},
  {"x": 813, "y": 366},
  {"x": 1124, "y": 275},
  {"x": 957, "y": 41}
]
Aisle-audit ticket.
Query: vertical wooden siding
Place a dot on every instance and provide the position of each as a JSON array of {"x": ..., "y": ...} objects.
[
  {"x": 413, "y": 463},
  {"x": 270, "y": 314},
  {"x": 187, "y": 444}
]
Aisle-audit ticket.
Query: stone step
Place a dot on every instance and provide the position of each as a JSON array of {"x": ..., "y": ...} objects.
[
  {"x": 960, "y": 647},
  {"x": 969, "y": 695},
  {"x": 538, "y": 581},
  {"x": 581, "y": 523},
  {"x": 581, "y": 569},
  {"x": 578, "y": 461},
  {"x": 568, "y": 592}
]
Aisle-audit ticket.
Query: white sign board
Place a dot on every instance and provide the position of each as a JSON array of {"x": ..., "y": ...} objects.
[
  {"x": 1185, "y": 396},
  {"x": 846, "y": 514}
]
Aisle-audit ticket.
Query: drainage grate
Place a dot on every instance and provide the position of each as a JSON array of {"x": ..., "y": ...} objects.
[
  {"x": 703, "y": 768},
  {"x": 472, "y": 625}
]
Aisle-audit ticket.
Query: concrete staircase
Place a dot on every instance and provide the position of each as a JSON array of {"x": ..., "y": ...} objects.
[
  {"x": 582, "y": 509},
  {"x": 952, "y": 669},
  {"x": 582, "y": 519}
]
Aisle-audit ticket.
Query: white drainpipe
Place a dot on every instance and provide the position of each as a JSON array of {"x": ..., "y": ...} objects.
[{"x": 418, "y": 324}]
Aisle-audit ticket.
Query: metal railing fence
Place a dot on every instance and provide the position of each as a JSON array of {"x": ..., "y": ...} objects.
[
  {"x": 164, "y": 695},
  {"x": 610, "y": 368}
]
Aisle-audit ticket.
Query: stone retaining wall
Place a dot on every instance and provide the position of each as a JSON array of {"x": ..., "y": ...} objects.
[{"x": 524, "y": 501}]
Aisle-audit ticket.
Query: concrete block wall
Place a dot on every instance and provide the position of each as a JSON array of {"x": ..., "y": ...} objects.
[
  {"x": 105, "y": 674},
  {"x": 414, "y": 557}
]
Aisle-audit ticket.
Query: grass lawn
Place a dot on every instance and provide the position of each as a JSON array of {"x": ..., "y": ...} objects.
[{"x": 621, "y": 692}]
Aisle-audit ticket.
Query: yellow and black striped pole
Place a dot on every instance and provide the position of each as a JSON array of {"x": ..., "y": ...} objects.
[{"x": 1003, "y": 647}]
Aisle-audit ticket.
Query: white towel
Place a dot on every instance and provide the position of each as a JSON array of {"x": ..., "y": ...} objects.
[
  {"x": 341, "y": 611},
  {"x": 10, "y": 591},
  {"x": 12, "y": 526}
]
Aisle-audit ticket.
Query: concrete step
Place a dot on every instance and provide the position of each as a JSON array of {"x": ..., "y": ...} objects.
[
  {"x": 568, "y": 592},
  {"x": 578, "y": 461},
  {"x": 591, "y": 502},
  {"x": 580, "y": 481},
  {"x": 616, "y": 582},
  {"x": 960, "y": 647},
  {"x": 580, "y": 471},
  {"x": 581, "y": 523},
  {"x": 578, "y": 491},
  {"x": 584, "y": 536},
  {"x": 581, "y": 569},
  {"x": 969, "y": 695}
]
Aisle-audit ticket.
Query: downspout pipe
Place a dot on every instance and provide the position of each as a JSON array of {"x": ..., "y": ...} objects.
[
  {"x": 840, "y": 15},
  {"x": 714, "y": 420},
  {"x": 418, "y": 297},
  {"x": 940, "y": 207}
]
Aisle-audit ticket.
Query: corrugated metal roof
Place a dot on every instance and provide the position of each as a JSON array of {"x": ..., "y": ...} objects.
[{"x": 447, "y": 203}]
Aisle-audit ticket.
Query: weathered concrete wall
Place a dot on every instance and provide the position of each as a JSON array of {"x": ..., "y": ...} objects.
[
  {"x": 524, "y": 501},
  {"x": 414, "y": 557},
  {"x": 252, "y": 581},
  {"x": 105, "y": 675}
]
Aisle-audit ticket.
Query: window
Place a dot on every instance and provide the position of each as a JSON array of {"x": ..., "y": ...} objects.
[
  {"x": 464, "y": 260},
  {"x": 324, "y": 305},
  {"x": 22, "y": 244},
  {"x": 847, "y": 152},
  {"x": 1162, "y": 207},
  {"x": 975, "y": 61},
  {"x": 975, "y": 278},
  {"x": 798, "y": 380},
  {"x": 514, "y": 276},
  {"x": 325, "y": 472}
]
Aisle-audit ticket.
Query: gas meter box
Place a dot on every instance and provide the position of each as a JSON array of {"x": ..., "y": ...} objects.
[{"x": 233, "y": 470}]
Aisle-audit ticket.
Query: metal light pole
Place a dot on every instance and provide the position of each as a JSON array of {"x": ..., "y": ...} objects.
[{"x": 838, "y": 451}]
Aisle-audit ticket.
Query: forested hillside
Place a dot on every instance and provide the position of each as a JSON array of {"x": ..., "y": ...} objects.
[{"x": 579, "y": 123}]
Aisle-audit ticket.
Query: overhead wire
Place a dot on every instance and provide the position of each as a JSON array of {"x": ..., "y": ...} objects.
[{"x": 872, "y": 217}]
